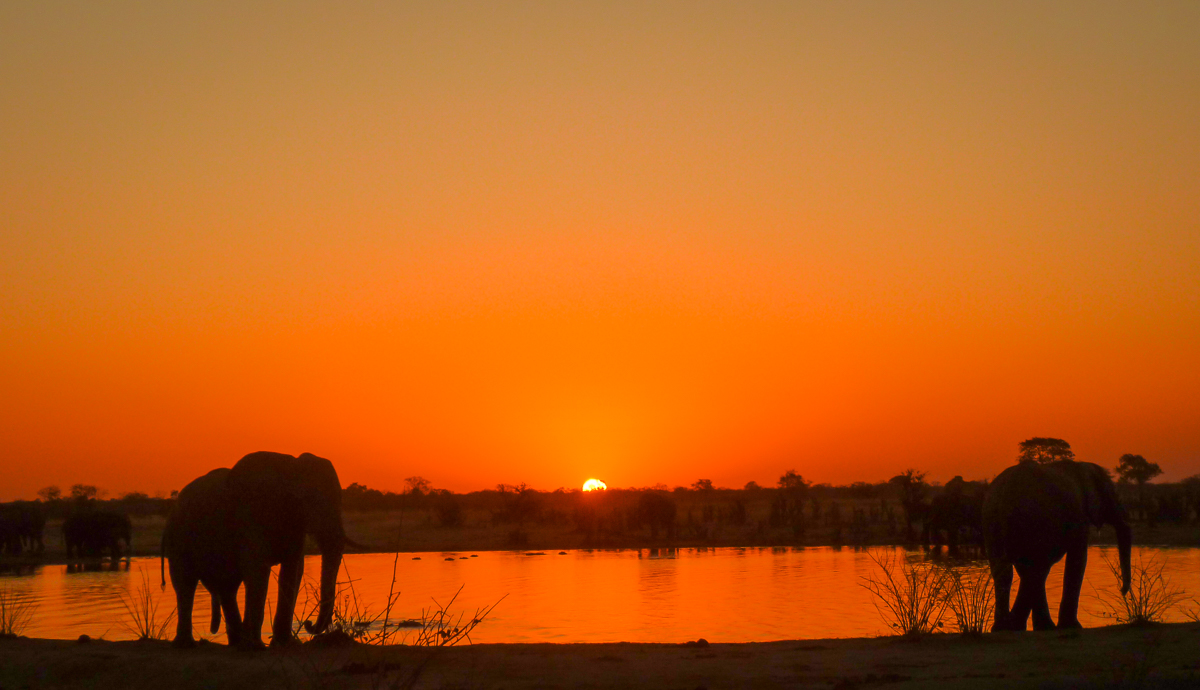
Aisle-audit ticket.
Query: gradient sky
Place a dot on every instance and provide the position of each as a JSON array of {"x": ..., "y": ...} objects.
[{"x": 646, "y": 242}]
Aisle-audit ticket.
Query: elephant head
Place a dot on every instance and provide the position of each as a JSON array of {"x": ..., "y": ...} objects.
[
  {"x": 1102, "y": 506},
  {"x": 280, "y": 499},
  {"x": 320, "y": 494}
]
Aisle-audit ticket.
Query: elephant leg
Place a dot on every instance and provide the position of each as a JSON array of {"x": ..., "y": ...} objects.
[
  {"x": 1002, "y": 577},
  {"x": 291, "y": 574},
  {"x": 1068, "y": 608},
  {"x": 257, "y": 579},
  {"x": 233, "y": 619},
  {"x": 185, "y": 595},
  {"x": 1040, "y": 607},
  {"x": 1019, "y": 617}
]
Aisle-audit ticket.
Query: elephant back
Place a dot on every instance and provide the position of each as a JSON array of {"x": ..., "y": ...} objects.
[
  {"x": 284, "y": 497},
  {"x": 201, "y": 519},
  {"x": 1029, "y": 509}
]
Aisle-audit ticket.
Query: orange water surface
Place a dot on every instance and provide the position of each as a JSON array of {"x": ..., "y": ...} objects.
[{"x": 647, "y": 595}]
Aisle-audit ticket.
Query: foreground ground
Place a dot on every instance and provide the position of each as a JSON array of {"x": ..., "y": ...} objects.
[{"x": 1166, "y": 656}]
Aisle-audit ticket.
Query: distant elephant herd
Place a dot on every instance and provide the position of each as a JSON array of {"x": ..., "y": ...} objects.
[
  {"x": 87, "y": 532},
  {"x": 21, "y": 527},
  {"x": 230, "y": 526}
]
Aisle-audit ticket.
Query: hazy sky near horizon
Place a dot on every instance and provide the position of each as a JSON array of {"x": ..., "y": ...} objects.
[{"x": 645, "y": 242}]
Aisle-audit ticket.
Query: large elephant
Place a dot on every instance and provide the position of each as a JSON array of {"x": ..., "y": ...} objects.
[
  {"x": 1033, "y": 515},
  {"x": 90, "y": 533},
  {"x": 232, "y": 525}
]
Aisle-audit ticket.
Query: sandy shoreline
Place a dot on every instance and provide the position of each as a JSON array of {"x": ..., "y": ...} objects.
[{"x": 1163, "y": 656}]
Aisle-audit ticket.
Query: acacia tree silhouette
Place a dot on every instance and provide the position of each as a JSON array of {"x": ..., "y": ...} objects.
[
  {"x": 913, "y": 488},
  {"x": 788, "y": 506},
  {"x": 1044, "y": 450},
  {"x": 1137, "y": 470}
]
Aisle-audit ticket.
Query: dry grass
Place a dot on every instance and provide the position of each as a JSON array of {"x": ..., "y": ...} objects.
[
  {"x": 141, "y": 609},
  {"x": 439, "y": 625},
  {"x": 1151, "y": 594},
  {"x": 16, "y": 613},
  {"x": 910, "y": 596},
  {"x": 971, "y": 598},
  {"x": 1192, "y": 611}
]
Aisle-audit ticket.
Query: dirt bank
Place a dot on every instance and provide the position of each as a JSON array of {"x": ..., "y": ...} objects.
[{"x": 1165, "y": 656}]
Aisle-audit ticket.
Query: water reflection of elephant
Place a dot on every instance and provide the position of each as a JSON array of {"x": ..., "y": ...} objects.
[
  {"x": 1035, "y": 514},
  {"x": 232, "y": 525},
  {"x": 19, "y": 568},
  {"x": 92, "y": 533},
  {"x": 79, "y": 567}
]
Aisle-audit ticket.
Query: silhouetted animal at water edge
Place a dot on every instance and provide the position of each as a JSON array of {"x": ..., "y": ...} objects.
[
  {"x": 22, "y": 524},
  {"x": 231, "y": 525},
  {"x": 955, "y": 516},
  {"x": 1035, "y": 514},
  {"x": 91, "y": 533}
]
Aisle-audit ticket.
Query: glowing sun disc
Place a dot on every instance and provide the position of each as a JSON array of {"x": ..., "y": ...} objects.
[{"x": 594, "y": 485}]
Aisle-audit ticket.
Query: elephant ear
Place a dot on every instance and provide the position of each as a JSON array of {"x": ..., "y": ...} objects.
[{"x": 1097, "y": 492}]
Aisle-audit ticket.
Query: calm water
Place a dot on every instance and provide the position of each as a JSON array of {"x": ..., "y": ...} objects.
[{"x": 725, "y": 595}]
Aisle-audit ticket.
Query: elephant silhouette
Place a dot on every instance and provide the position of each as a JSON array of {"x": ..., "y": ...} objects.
[
  {"x": 955, "y": 515},
  {"x": 1033, "y": 515},
  {"x": 22, "y": 524},
  {"x": 90, "y": 533},
  {"x": 232, "y": 525}
]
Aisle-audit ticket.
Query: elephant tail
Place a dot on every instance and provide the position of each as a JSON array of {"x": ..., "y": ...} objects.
[
  {"x": 162, "y": 559},
  {"x": 215, "y": 625}
]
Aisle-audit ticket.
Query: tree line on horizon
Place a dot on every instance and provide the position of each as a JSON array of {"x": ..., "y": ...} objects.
[{"x": 1171, "y": 501}]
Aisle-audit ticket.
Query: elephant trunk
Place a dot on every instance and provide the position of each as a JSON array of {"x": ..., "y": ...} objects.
[
  {"x": 331, "y": 562},
  {"x": 1124, "y": 541}
]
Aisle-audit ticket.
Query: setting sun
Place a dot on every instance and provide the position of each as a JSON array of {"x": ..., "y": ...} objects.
[{"x": 594, "y": 485}]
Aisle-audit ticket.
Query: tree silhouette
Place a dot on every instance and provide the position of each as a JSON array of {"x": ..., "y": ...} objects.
[
  {"x": 418, "y": 485},
  {"x": 1044, "y": 450},
  {"x": 702, "y": 485},
  {"x": 50, "y": 493},
  {"x": 84, "y": 493},
  {"x": 1137, "y": 470},
  {"x": 791, "y": 480},
  {"x": 913, "y": 488},
  {"x": 787, "y": 509}
]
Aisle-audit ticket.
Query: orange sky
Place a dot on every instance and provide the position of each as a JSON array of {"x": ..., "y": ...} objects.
[{"x": 643, "y": 242}]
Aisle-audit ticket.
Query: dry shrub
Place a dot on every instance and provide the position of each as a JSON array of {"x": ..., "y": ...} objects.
[
  {"x": 16, "y": 613},
  {"x": 972, "y": 599},
  {"x": 438, "y": 626},
  {"x": 1192, "y": 611},
  {"x": 911, "y": 597},
  {"x": 141, "y": 610},
  {"x": 441, "y": 627},
  {"x": 1151, "y": 594}
]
